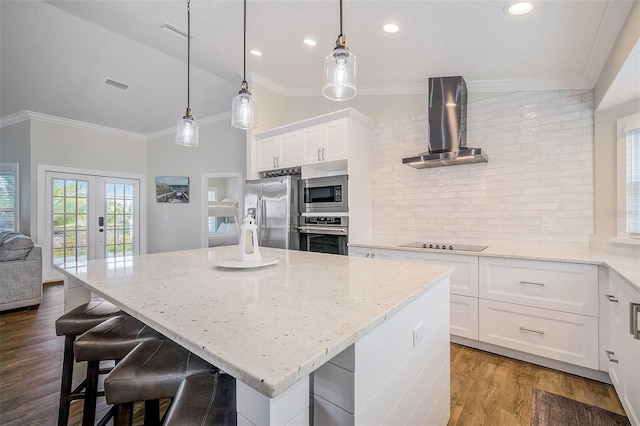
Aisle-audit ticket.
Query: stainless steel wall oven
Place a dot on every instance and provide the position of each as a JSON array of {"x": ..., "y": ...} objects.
[{"x": 324, "y": 234}]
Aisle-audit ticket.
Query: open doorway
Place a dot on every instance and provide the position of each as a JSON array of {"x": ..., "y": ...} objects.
[{"x": 221, "y": 206}]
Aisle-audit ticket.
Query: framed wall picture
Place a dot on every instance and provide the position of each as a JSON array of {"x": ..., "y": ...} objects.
[{"x": 172, "y": 189}]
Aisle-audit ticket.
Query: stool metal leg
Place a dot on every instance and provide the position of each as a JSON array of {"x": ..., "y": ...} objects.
[
  {"x": 91, "y": 394},
  {"x": 67, "y": 378}
]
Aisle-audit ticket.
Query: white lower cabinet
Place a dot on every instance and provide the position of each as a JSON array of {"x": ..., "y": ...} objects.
[
  {"x": 374, "y": 253},
  {"x": 621, "y": 348},
  {"x": 556, "y": 335},
  {"x": 464, "y": 316}
]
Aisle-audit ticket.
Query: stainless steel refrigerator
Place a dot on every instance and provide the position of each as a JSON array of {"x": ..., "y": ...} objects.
[{"x": 273, "y": 203}]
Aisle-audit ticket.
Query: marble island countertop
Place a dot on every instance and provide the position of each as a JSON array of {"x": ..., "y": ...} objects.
[
  {"x": 267, "y": 327},
  {"x": 628, "y": 267}
]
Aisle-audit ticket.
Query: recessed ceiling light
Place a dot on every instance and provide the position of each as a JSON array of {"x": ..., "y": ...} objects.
[
  {"x": 309, "y": 42},
  {"x": 391, "y": 28},
  {"x": 255, "y": 52},
  {"x": 520, "y": 8}
]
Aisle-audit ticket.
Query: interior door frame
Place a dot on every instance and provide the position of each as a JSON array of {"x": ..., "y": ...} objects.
[
  {"x": 204, "y": 208},
  {"x": 41, "y": 198}
]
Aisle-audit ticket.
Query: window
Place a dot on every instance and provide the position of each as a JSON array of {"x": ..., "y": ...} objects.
[
  {"x": 8, "y": 196},
  {"x": 629, "y": 177}
]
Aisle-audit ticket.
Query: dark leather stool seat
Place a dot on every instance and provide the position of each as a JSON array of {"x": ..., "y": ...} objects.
[
  {"x": 72, "y": 324},
  {"x": 113, "y": 339},
  {"x": 84, "y": 317},
  {"x": 204, "y": 400},
  {"x": 153, "y": 370}
]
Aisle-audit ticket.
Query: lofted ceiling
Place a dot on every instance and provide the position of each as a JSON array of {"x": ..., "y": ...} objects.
[{"x": 56, "y": 55}]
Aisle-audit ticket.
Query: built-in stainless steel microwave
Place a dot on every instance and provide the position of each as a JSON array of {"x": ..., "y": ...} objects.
[{"x": 324, "y": 195}]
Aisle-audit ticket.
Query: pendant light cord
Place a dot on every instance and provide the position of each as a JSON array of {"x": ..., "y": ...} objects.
[
  {"x": 244, "y": 46},
  {"x": 341, "y": 18},
  {"x": 188, "y": 55}
]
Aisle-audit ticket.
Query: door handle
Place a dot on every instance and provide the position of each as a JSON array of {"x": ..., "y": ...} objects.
[
  {"x": 531, "y": 283},
  {"x": 319, "y": 159},
  {"x": 323, "y": 157},
  {"x": 611, "y": 298},
  {"x": 634, "y": 310},
  {"x": 531, "y": 330},
  {"x": 610, "y": 356}
]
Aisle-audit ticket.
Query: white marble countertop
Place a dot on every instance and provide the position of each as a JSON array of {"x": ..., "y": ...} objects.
[
  {"x": 268, "y": 327},
  {"x": 628, "y": 267}
]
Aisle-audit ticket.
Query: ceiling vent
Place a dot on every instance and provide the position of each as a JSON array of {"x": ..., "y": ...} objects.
[{"x": 116, "y": 84}]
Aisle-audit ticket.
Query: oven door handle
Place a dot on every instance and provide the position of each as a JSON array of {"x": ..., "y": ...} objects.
[{"x": 322, "y": 230}]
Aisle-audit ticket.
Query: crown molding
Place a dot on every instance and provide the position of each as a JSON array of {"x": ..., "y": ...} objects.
[
  {"x": 521, "y": 85},
  {"x": 46, "y": 118},
  {"x": 266, "y": 83},
  {"x": 14, "y": 118},
  {"x": 476, "y": 86},
  {"x": 613, "y": 19},
  {"x": 201, "y": 122}
]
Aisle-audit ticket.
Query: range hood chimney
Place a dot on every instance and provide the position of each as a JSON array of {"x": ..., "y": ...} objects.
[{"x": 447, "y": 127}]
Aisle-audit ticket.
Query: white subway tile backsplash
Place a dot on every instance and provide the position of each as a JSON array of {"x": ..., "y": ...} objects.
[{"x": 540, "y": 148}]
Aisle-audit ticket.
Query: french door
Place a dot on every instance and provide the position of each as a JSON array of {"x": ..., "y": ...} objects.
[{"x": 89, "y": 217}]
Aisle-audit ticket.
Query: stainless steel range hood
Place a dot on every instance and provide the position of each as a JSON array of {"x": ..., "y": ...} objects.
[{"x": 447, "y": 127}]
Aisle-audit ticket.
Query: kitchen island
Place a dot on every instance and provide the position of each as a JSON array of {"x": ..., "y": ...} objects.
[{"x": 375, "y": 334}]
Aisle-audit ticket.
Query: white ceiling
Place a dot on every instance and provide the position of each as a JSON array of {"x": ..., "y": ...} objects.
[{"x": 56, "y": 55}]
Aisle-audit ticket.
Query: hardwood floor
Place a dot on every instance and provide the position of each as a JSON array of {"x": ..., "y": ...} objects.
[{"x": 486, "y": 389}]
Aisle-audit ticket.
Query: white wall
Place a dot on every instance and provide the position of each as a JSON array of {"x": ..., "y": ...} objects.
[
  {"x": 540, "y": 147},
  {"x": 16, "y": 148},
  {"x": 68, "y": 146},
  {"x": 222, "y": 148}
]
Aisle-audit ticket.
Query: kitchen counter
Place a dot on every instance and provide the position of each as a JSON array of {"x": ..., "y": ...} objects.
[
  {"x": 628, "y": 267},
  {"x": 268, "y": 327}
]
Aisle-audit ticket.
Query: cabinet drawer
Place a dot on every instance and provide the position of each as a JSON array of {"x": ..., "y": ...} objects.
[
  {"x": 561, "y": 336},
  {"x": 464, "y": 316},
  {"x": 567, "y": 287},
  {"x": 464, "y": 280}
]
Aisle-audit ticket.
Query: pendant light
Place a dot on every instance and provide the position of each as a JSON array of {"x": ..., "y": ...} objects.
[
  {"x": 243, "y": 107},
  {"x": 340, "y": 70},
  {"x": 187, "y": 129}
]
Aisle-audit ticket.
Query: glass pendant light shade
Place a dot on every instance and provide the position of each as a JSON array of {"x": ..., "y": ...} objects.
[
  {"x": 340, "y": 75},
  {"x": 243, "y": 109},
  {"x": 187, "y": 131}
]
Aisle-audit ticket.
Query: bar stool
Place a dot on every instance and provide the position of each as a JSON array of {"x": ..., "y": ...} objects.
[
  {"x": 113, "y": 339},
  {"x": 72, "y": 324},
  {"x": 204, "y": 400},
  {"x": 152, "y": 371}
]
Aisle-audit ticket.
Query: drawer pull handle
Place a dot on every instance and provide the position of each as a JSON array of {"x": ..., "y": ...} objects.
[
  {"x": 611, "y": 298},
  {"x": 610, "y": 356},
  {"x": 634, "y": 310},
  {"x": 530, "y": 330},
  {"x": 531, "y": 283}
]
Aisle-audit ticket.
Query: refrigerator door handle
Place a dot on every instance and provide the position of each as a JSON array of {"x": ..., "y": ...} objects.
[{"x": 258, "y": 215}]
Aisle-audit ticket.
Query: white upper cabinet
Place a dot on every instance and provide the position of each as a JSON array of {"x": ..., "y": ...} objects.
[
  {"x": 319, "y": 140},
  {"x": 279, "y": 151},
  {"x": 326, "y": 142},
  {"x": 268, "y": 153}
]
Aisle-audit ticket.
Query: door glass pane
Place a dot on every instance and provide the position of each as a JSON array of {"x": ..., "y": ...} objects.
[
  {"x": 69, "y": 227},
  {"x": 119, "y": 220}
]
